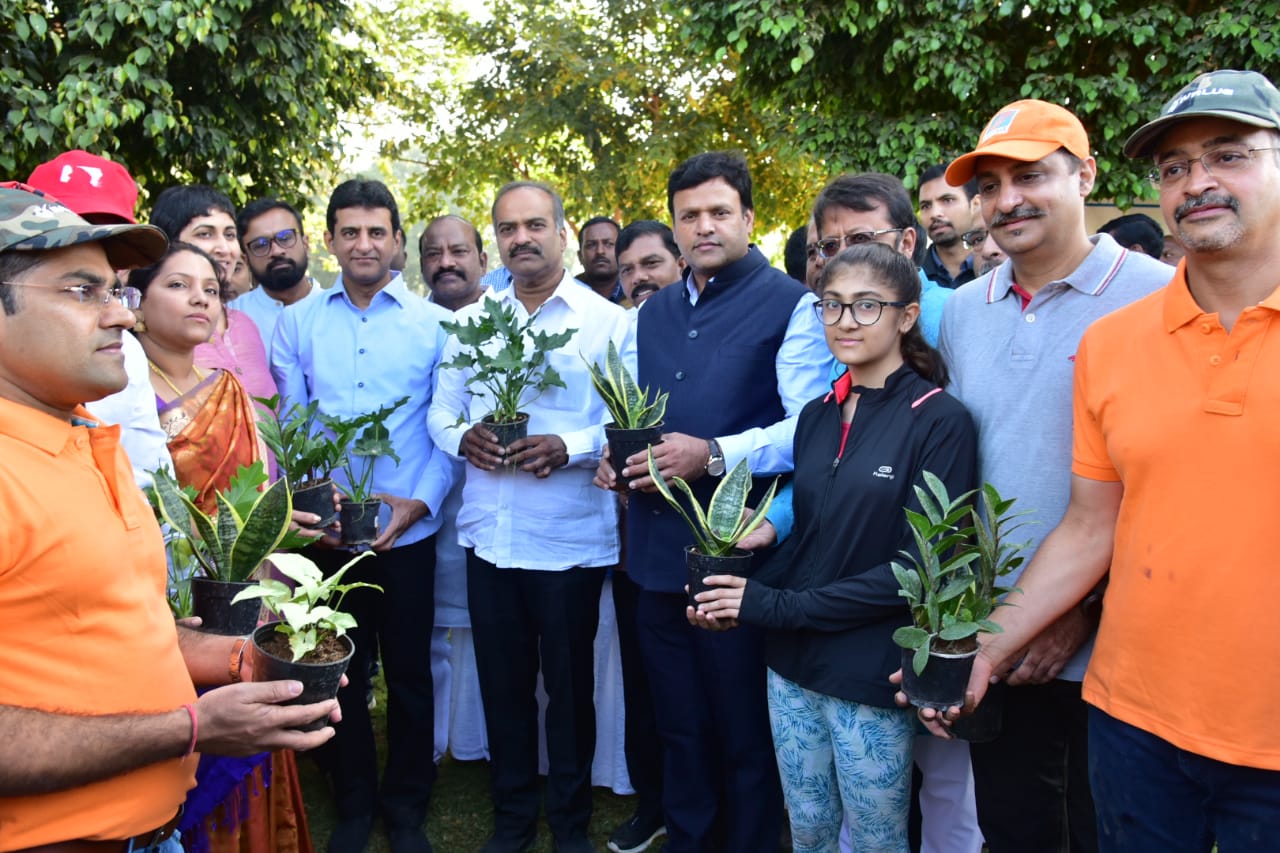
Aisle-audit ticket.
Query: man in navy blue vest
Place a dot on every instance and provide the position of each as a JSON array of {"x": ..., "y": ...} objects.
[{"x": 740, "y": 351}]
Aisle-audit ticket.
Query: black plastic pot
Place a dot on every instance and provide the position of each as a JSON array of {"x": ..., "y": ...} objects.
[
  {"x": 211, "y": 601},
  {"x": 317, "y": 498},
  {"x": 628, "y": 442},
  {"x": 359, "y": 521},
  {"x": 319, "y": 680},
  {"x": 986, "y": 721},
  {"x": 943, "y": 682},
  {"x": 508, "y": 433},
  {"x": 702, "y": 566}
]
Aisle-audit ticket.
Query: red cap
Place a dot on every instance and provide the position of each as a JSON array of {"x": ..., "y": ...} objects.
[
  {"x": 88, "y": 184},
  {"x": 1027, "y": 130}
]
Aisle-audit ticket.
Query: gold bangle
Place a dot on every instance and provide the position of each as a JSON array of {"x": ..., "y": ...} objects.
[{"x": 236, "y": 660}]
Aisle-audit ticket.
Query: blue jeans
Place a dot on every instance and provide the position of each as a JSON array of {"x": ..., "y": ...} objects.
[
  {"x": 1152, "y": 796},
  {"x": 172, "y": 844}
]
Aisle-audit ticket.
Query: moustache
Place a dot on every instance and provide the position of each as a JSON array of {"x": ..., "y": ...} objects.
[
  {"x": 444, "y": 271},
  {"x": 1017, "y": 213},
  {"x": 526, "y": 247},
  {"x": 1207, "y": 200}
]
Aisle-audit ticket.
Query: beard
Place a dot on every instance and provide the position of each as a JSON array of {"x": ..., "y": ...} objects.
[{"x": 283, "y": 274}]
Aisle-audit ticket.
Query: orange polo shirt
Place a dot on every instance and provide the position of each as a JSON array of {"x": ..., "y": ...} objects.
[
  {"x": 84, "y": 626},
  {"x": 1187, "y": 417}
]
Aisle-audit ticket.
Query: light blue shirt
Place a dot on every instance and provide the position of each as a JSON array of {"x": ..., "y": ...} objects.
[
  {"x": 264, "y": 310},
  {"x": 356, "y": 361},
  {"x": 932, "y": 297}
]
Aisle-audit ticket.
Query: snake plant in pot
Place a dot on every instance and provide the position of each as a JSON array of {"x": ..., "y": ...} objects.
[
  {"x": 637, "y": 418},
  {"x": 952, "y": 584},
  {"x": 509, "y": 363},
  {"x": 719, "y": 527},
  {"x": 308, "y": 642},
  {"x": 305, "y": 453}
]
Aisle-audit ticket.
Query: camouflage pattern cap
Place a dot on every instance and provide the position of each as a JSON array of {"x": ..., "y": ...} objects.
[
  {"x": 33, "y": 221},
  {"x": 1243, "y": 96}
]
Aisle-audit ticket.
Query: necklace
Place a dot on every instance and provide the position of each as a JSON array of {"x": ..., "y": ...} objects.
[{"x": 168, "y": 381}]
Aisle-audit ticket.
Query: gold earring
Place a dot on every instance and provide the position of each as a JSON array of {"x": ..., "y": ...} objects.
[{"x": 139, "y": 324}]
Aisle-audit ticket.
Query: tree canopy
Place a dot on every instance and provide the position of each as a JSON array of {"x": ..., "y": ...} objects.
[
  {"x": 242, "y": 94},
  {"x": 899, "y": 86}
]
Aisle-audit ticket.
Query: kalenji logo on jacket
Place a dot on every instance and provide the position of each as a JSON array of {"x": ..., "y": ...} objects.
[{"x": 885, "y": 472}]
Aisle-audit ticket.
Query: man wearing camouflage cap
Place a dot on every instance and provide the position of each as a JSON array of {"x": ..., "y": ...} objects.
[
  {"x": 98, "y": 716},
  {"x": 1174, "y": 489}
]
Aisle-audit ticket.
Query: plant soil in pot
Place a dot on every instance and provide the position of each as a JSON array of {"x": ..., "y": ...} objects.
[
  {"x": 986, "y": 721},
  {"x": 942, "y": 682},
  {"x": 316, "y": 498},
  {"x": 320, "y": 670},
  {"x": 359, "y": 521},
  {"x": 628, "y": 442},
  {"x": 211, "y": 601},
  {"x": 508, "y": 433},
  {"x": 702, "y": 566}
]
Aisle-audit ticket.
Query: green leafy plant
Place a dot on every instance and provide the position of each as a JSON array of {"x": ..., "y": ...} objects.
[
  {"x": 510, "y": 359},
  {"x": 306, "y": 614},
  {"x": 304, "y": 452},
  {"x": 952, "y": 584},
  {"x": 719, "y": 528},
  {"x": 628, "y": 405},
  {"x": 366, "y": 438},
  {"x": 249, "y": 524}
]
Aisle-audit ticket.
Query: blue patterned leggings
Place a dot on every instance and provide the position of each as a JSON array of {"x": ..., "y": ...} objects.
[{"x": 841, "y": 760}]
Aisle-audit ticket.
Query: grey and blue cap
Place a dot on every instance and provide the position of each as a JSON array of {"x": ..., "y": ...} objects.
[
  {"x": 1243, "y": 96},
  {"x": 32, "y": 221}
]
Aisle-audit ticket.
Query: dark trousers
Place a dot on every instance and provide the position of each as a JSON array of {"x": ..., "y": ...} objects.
[
  {"x": 721, "y": 790},
  {"x": 1155, "y": 798},
  {"x": 642, "y": 746},
  {"x": 400, "y": 618},
  {"x": 523, "y": 620},
  {"x": 1032, "y": 782}
]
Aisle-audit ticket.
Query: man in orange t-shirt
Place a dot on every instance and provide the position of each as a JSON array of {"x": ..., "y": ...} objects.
[
  {"x": 99, "y": 719},
  {"x": 1175, "y": 455}
]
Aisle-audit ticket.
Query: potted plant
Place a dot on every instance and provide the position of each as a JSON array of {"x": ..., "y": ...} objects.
[
  {"x": 637, "y": 420},
  {"x": 510, "y": 363},
  {"x": 719, "y": 528},
  {"x": 229, "y": 546},
  {"x": 305, "y": 453},
  {"x": 368, "y": 439},
  {"x": 952, "y": 587},
  {"x": 309, "y": 642}
]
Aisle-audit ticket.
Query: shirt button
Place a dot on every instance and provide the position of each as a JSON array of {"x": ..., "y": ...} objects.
[
  {"x": 239, "y": 372},
  {"x": 1215, "y": 360},
  {"x": 361, "y": 350},
  {"x": 1031, "y": 318},
  {"x": 693, "y": 333},
  {"x": 359, "y": 384},
  {"x": 364, "y": 319},
  {"x": 679, "y": 374},
  {"x": 1206, "y": 328}
]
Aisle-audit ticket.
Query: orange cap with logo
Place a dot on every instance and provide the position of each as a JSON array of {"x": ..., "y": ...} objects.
[{"x": 1024, "y": 130}]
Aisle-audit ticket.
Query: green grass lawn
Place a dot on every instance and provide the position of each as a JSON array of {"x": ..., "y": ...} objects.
[{"x": 461, "y": 816}]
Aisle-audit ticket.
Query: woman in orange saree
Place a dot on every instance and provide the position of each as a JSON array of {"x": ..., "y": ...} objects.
[{"x": 239, "y": 805}]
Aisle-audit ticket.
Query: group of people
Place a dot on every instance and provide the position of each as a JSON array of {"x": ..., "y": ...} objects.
[{"x": 1013, "y": 348}]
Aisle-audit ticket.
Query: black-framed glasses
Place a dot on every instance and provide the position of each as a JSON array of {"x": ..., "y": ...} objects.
[
  {"x": 831, "y": 246},
  {"x": 1219, "y": 161},
  {"x": 974, "y": 239},
  {"x": 866, "y": 312},
  {"x": 260, "y": 247},
  {"x": 91, "y": 294}
]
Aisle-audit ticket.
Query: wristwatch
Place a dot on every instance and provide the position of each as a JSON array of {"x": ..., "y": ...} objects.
[{"x": 715, "y": 460}]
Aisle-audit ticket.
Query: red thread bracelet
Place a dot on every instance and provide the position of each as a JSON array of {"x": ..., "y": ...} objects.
[{"x": 195, "y": 730}]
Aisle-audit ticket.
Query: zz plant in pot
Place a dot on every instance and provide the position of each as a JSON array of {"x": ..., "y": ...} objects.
[
  {"x": 509, "y": 363},
  {"x": 952, "y": 584},
  {"x": 366, "y": 439},
  {"x": 249, "y": 525},
  {"x": 308, "y": 642},
  {"x": 305, "y": 453},
  {"x": 637, "y": 417},
  {"x": 719, "y": 527}
]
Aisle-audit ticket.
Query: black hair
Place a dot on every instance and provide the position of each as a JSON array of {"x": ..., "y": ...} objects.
[
  {"x": 360, "y": 192},
  {"x": 639, "y": 228},
  {"x": 795, "y": 256},
  {"x": 865, "y": 192},
  {"x": 700, "y": 168},
  {"x": 557, "y": 204},
  {"x": 1136, "y": 228},
  {"x": 599, "y": 220},
  {"x": 13, "y": 264},
  {"x": 896, "y": 272},
  {"x": 142, "y": 277},
  {"x": 257, "y": 207},
  {"x": 932, "y": 173},
  {"x": 456, "y": 217},
  {"x": 177, "y": 206}
]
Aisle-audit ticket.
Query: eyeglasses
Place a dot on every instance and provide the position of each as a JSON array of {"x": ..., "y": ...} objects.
[
  {"x": 260, "y": 247},
  {"x": 92, "y": 294},
  {"x": 974, "y": 239},
  {"x": 831, "y": 246},
  {"x": 866, "y": 312},
  {"x": 811, "y": 250},
  {"x": 1219, "y": 161}
]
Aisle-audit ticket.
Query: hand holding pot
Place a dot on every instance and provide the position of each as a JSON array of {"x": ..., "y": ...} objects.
[
  {"x": 480, "y": 447},
  {"x": 679, "y": 455},
  {"x": 939, "y": 722},
  {"x": 719, "y": 606},
  {"x": 539, "y": 454},
  {"x": 247, "y": 718},
  {"x": 605, "y": 477},
  {"x": 404, "y": 512}
]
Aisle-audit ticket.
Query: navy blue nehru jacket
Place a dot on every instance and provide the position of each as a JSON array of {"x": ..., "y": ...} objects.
[{"x": 717, "y": 361}]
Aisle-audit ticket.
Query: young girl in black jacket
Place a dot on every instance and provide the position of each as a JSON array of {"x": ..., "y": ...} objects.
[{"x": 828, "y": 596}]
